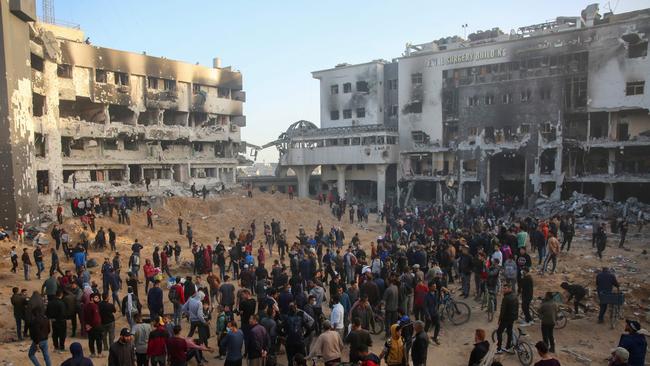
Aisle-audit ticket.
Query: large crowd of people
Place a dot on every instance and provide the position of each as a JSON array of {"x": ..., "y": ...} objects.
[{"x": 322, "y": 294}]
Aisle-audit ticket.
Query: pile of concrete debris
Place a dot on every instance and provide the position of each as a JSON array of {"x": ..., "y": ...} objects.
[{"x": 586, "y": 206}]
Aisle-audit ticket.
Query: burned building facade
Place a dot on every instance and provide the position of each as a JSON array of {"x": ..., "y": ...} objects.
[
  {"x": 551, "y": 108},
  {"x": 82, "y": 120}
]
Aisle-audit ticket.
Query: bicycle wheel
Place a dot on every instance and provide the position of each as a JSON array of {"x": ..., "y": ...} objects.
[
  {"x": 458, "y": 312},
  {"x": 490, "y": 310},
  {"x": 561, "y": 319},
  {"x": 524, "y": 353},
  {"x": 614, "y": 315},
  {"x": 379, "y": 326}
]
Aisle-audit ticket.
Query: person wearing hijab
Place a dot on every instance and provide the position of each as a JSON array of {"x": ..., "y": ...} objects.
[
  {"x": 77, "y": 358},
  {"x": 394, "y": 352}
]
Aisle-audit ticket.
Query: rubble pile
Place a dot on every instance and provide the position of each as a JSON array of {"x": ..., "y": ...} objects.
[{"x": 586, "y": 206}]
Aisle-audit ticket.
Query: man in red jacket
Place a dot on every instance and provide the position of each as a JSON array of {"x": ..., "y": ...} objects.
[
  {"x": 93, "y": 325},
  {"x": 157, "y": 344}
]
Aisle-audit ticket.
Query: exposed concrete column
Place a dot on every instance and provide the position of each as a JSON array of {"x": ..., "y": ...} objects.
[
  {"x": 609, "y": 191},
  {"x": 303, "y": 173},
  {"x": 381, "y": 185},
  {"x": 438, "y": 192},
  {"x": 611, "y": 161},
  {"x": 461, "y": 188},
  {"x": 340, "y": 180}
]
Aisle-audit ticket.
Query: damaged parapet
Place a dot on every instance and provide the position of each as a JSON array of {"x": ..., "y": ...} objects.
[{"x": 82, "y": 120}]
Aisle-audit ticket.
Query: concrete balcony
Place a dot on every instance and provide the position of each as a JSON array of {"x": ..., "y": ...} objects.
[
  {"x": 111, "y": 93},
  {"x": 163, "y": 99},
  {"x": 331, "y": 155},
  {"x": 202, "y": 102}
]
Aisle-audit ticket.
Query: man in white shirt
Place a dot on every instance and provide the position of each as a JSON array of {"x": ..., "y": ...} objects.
[{"x": 337, "y": 315}]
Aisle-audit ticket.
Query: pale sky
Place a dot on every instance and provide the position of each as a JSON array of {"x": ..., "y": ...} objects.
[{"x": 276, "y": 44}]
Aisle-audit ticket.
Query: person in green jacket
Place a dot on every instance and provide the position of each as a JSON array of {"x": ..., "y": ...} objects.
[{"x": 547, "y": 314}]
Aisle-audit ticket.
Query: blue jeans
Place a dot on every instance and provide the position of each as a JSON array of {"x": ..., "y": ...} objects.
[
  {"x": 541, "y": 251},
  {"x": 42, "y": 345},
  {"x": 41, "y": 268},
  {"x": 465, "y": 278}
]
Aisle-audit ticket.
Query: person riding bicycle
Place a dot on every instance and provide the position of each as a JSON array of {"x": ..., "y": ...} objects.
[
  {"x": 577, "y": 293},
  {"x": 509, "y": 313},
  {"x": 492, "y": 282},
  {"x": 605, "y": 282}
]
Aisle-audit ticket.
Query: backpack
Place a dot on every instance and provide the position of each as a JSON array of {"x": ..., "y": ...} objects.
[
  {"x": 353, "y": 260},
  {"x": 172, "y": 295},
  {"x": 510, "y": 269}
]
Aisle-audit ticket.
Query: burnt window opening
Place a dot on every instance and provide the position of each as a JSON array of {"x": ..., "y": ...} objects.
[
  {"x": 419, "y": 137},
  {"x": 175, "y": 118},
  {"x": 37, "y": 62},
  {"x": 507, "y": 133},
  {"x": 131, "y": 144},
  {"x": 96, "y": 175},
  {"x": 197, "y": 146},
  {"x": 100, "y": 76},
  {"x": 40, "y": 145},
  {"x": 489, "y": 134},
  {"x": 634, "y": 88},
  {"x": 121, "y": 78},
  {"x": 334, "y": 115},
  {"x": 473, "y": 101},
  {"x": 392, "y": 84},
  {"x": 196, "y": 88},
  {"x": 64, "y": 71},
  {"x": 416, "y": 79},
  {"x": 82, "y": 108},
  {"x": 38, "y": 105},
  {"x": 152, "y": 83},
  {"x": 77, "y": 144},
  {"x": 622, "y": 132},
  {"x": 361, "y": 112},
  {"x": 148, "y": 117},
  {"x": 369, "y": 140},
  {"x": 334, "y": 89},
  {"x": 121, "y": 113},
  {"x": 347, "y": 88},
  {"x": 525, "y": 96},
  {"x": 575, "y": 92},
  {"x": 489, "y": 99},
  {"x": 110, "y": 144},
  {"x": 524, "y": 128},
  {"x": 450, "y": 103},
  {"x": 43, "y": 181},
  {"x": 223, "y": 93},
  {"x": 347, "y": 113},
  {"x": 394, "y": 109},
  {"x": 362, "y": 86},
  {"x": 638, "y": 50},
  {"x": 360, "y": 167},
  {"x": 115, "y": 175},
  {"x": 545, "y": 93},
  {"x": 413, "y": 107},
  {"x": 65, "y": 146},
  {"x": 356, "y": 141},
  {"x": 169, "y": 85},
  {"x": 67, "y": 174},
  {"x": 472, "y": 131},
  {"x": 332, "y": 142},
  {"x": 506, "y": 98}
]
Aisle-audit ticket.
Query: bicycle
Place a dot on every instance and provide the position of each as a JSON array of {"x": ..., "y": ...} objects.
[
  {"x": 615, "y": 302},
  {"x": 561, "y": 316},
  {"x": 520, "y": 347},
  {"x": 489, "y": 304},
  {"x": 457, "y": 312},
  {"x": 379, "y": 318}
]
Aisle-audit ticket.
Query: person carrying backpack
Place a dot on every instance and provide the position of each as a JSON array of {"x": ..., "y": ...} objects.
[{"x": 295, "y": 326}]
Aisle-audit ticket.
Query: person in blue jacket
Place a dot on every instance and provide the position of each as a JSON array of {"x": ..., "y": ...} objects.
[{"x": 634, "y": 342}]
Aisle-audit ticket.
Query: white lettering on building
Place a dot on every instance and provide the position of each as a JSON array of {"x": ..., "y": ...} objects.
[{"x": 466, "y": 57}]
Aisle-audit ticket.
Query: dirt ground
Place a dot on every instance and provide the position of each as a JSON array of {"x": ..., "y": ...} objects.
[{"x": 217, "y": 215}]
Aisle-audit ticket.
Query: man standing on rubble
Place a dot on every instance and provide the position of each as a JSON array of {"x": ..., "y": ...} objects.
[
  {"x": 622, "y": 229},
  {"x": 605, "y": 283},
  {"x": 601, "y": 241}
]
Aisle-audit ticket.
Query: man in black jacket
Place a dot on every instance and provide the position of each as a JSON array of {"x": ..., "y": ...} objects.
[
  {"x": 56, "y": 311},
  {"x": 19, "y": 302},
  {"x": 420, "y": 345},
  {"x": 507, "y": 316},
  {"x": 481, "y": 348},
  {"x": 526, "y": 289},
  {"x": 39, "y": 330}
]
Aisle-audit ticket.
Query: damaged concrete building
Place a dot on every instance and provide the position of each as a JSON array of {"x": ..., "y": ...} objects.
[
  {"x": 78, "y": 119},
  {"x": 547, "y": 109}
]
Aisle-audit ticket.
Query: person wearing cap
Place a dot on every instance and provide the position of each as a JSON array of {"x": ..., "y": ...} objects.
[
  {"x": 620, "y": 357},
  {"x": 634, "y": 342},
  {"x": 77, "y": 359},
  {"x": 122, "y": 351},
  {"x": 328, "y": 345}
]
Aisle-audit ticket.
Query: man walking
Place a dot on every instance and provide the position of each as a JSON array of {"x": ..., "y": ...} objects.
[
  {"x": 56, "y": 311},
  {"x": 39, "y": 330},
  {"x": 605, "y": 283}
]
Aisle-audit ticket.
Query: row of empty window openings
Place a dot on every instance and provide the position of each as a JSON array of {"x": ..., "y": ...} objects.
[
  {"x": 347, "y": 114},
  {"x": 506, "y": 98},
  {"x": 362, "y": 87},
  {"x": 367, "y": 140}
]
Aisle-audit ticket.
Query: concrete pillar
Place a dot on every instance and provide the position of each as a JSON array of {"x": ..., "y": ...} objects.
[
  {"x": 340, "y": 180},
  {"x": 609, "y": 191},
  {"x": 381, "y": 185},
  {"x": 303, "y": 173},
  {"x": 611, "y": 161},
  {"x": 438, "y": 192}
]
